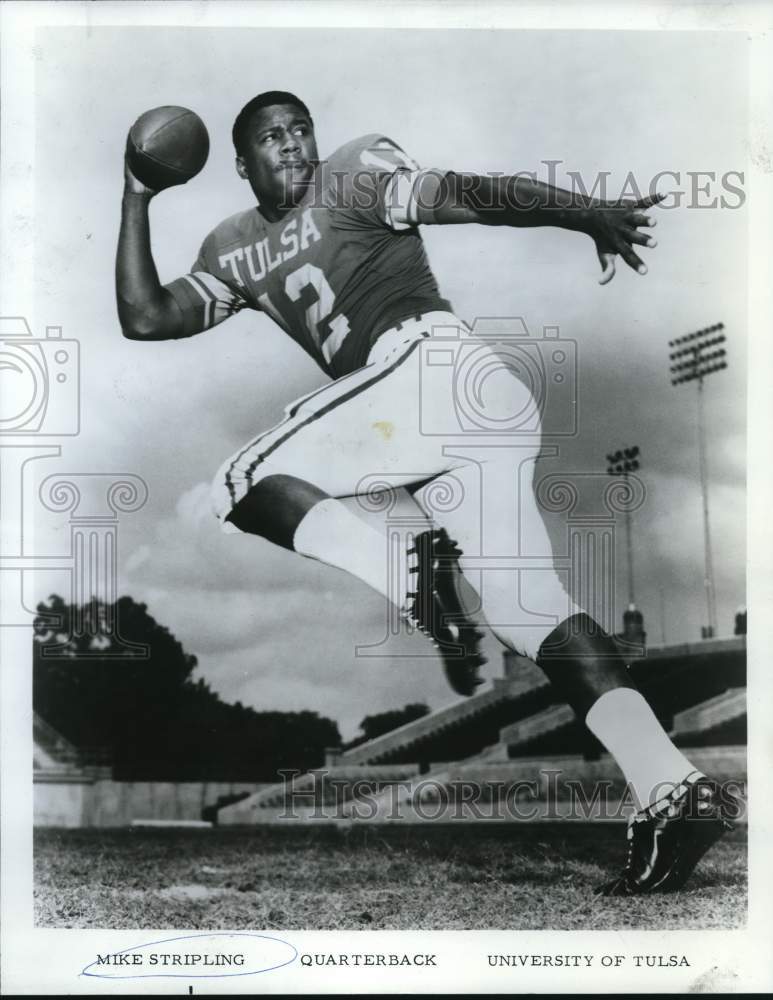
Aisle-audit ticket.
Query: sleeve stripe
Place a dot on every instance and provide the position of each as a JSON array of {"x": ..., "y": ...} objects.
[
  {"x": 204, "y": 300},
  {"x": 413, "y": 208},
  {"x": 205, "y": 293},
  {"x": 388, "y": 201},
  {"x": 213, "y": 286},
  {"x": 400, "y": 211}
]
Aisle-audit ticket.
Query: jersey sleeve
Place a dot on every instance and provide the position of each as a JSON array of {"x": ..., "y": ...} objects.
[
  {"x": 408, "y": 192},
  {"x": 204, "y": 299},
  {"x": 388, "y": 181}
]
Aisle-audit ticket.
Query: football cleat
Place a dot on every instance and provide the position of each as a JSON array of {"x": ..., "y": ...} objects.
[
  {"x": 436, "y": 609},
  {"x": 667, "y": 840}
]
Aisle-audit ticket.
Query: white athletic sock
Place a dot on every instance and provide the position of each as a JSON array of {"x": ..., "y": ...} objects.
[
  {"x": 623, "y": 721},
  {"x": 333, "y": 535}
]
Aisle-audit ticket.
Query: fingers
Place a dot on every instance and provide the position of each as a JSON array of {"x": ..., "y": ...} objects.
[
  {"x": 640, "y": 219},
  {"x": 634, "y": 236},
  {"x": 651, "y": 199},
  {"x": 620, "y": 235},
  {"x": 607, "y": 261},
  {"x": 625, "y": 251}
]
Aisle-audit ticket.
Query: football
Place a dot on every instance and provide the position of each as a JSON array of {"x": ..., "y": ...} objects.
[{"x": 167, "y": 146}]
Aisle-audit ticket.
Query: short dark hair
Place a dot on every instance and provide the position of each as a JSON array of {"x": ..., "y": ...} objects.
[{"x": 265, "y": 100}]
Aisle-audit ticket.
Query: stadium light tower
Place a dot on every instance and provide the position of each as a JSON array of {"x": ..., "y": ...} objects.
[
  {"x": 693, "y": 358},
  {"x": 621, "y": 463}
]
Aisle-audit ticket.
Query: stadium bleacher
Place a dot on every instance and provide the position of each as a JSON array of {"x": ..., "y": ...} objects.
[{"x": 513, "y": 733}]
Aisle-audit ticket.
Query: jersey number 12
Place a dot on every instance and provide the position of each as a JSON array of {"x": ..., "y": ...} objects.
[{"x": 308, "y": 285}]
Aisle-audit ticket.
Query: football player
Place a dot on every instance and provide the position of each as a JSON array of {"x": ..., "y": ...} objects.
[{"x": 333, "y": 254}]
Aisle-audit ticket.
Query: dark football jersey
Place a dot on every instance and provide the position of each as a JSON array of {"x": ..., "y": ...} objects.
[{"x": 336, "y": 271}]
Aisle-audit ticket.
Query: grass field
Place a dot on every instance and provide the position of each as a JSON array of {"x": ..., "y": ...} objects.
[{"x": 366, "y": 878}]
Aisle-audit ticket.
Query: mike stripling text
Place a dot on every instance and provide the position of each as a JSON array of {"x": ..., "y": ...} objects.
[{"x": 170, "y": 959}]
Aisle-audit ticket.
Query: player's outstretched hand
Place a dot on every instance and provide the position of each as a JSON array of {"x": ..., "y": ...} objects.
[
  {"x": 134, "y": 186},
  {"x": 614, "y": 227}
]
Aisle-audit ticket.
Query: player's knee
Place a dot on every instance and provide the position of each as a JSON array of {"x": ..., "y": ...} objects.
[
  {"x": 524, "y": 623},
  {"x": 274, "y": 507},
  {"x": 231, "y": 487}
]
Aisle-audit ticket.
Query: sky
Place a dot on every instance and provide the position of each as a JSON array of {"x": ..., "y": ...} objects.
[{"x": 268, "y": 627}]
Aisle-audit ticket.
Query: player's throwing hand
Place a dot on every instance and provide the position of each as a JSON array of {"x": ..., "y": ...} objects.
[
  {"x": 134, "y": 186},
  {"x": 614, "y": 228}
]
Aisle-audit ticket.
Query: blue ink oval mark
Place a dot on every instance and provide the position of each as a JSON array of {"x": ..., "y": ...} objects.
[{"x": 260, "y": 953}]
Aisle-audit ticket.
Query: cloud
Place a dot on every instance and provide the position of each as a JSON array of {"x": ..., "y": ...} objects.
[{"x": 275, "y": 630}]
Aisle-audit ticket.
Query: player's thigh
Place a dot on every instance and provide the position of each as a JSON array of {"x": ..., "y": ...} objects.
[
  {"x": 346, "y": 439},
  {"x": 491, "y": 511},
  {"x": 388, "y": 508},
  {"x": 372, "y": 437},
  {"x": 488, "y": 505}
]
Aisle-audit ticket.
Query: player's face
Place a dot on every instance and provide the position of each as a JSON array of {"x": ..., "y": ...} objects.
[{"x": 279, "y": 155}]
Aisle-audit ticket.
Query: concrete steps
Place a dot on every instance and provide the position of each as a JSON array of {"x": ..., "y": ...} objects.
[
  {"x": 526, "y": 730},
  {"x": 487, "y": 790},
  {"x": 51, "y": 751},
  {"x": 709, "y": 714},
  {"x": 319, "y": 787},
  {"x": 439, "y": 721},
  {"x": 419, "y": 787}
]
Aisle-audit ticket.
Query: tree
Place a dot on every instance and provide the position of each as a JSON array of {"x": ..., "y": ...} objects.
[
  {"x": 384, "y": 722},
  {"x": 157, "y": 721}
]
